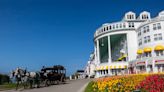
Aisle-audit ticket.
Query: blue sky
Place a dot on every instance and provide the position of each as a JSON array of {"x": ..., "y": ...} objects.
[{"x": 34, "y": 33}]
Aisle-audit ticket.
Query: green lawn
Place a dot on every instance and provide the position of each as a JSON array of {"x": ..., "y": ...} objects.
[
  {"x": 7, "y": 86},
  {"x": 89, "y": 87}
]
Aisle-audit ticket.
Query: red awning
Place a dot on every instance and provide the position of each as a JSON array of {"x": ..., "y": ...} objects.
[
  {"x": 159, "y": 62},
  {"x": 141, "y": 63}
]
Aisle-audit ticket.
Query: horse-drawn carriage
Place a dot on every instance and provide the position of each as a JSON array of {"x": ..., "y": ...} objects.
[
  {"x": 47, "y": 76},
  {"x": 52, "y": 75}
]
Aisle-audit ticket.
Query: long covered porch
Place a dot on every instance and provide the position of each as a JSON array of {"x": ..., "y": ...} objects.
[
  {"x": 147, "y": 65},
  {"x": 111, "y": 70}
]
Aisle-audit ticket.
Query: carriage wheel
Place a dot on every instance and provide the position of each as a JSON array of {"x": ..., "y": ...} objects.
[
  {"x": 62, "y": 79},
  {"x": 46, "y": 82}
]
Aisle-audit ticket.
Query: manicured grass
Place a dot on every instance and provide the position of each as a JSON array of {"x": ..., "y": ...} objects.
[
  {"x": 7, "y": 86},
  {"x": 89, "y": 87}
]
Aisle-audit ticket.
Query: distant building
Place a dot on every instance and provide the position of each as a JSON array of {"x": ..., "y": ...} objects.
[
  {"x": 91, "y": 66},
  {"x": 132, "y": 45},
  {"x": 80, "y": 74}
]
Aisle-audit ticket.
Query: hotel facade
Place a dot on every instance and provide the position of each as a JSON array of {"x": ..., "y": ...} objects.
[{"x": 133, "y": 45}]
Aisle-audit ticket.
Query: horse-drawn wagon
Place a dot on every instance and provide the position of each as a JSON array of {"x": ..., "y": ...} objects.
[
  {"x": 45, "y": 77},
  {"x": 52, "y": 75}
]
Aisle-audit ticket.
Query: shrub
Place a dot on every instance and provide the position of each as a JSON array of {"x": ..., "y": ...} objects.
[{"x": 4, "y": 79}]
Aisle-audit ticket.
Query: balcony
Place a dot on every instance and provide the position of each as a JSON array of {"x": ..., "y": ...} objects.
[{"x": 120, "y": 26}]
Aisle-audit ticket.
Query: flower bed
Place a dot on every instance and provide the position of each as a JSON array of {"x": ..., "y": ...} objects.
[{"x": 129, "y": 83}]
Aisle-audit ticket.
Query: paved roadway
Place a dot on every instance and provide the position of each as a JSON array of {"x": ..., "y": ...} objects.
[{"x": 70, "y": 86}]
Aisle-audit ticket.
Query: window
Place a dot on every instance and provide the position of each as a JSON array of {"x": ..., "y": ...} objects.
[
  {"x": 144, "y": 29},
  {"x": 144, "y": 16},
  {"x": 158, "y": 25},
  {"x": 104, "y": 28},
  {"x": 120, "y": 25},
  {"x": 116, "y": 25},
  {"x": 107, "y": 28},
  {"x": 104, "y": 71},
  {"x": 107, "y": 71},
  {"x": 113, "y": 26},
  {"x": 157, "y": 37},
  {"x": 147, "y": 39},
  {"x": 147, "y": 28},
  {"x": 101, "y": 72},
  {"x": 128, "y": 17},
  {"x": 140, "y": 42},
  {"x": 154, "y": 27},
  {"x": 139, "y": 33},
  {"x": 124, "y": 25},
  {"x": 160, "y": 36},
  {"x": 132, "y": 16},
  {"x": 110, "y": 27},
  {"x": 148, "y": 54},
  {"x": 159, "y": 53},
  {"x": 131, "y": 24}
]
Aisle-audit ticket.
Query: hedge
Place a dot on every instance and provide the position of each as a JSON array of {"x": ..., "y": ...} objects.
[{"x": 4, "y": 79}]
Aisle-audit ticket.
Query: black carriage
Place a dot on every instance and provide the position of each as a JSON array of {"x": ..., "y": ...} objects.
[{"x": 52, "y": 75}]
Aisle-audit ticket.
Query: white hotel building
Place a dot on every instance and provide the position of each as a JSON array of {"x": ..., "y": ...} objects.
[{"x": 133, "y": 45}]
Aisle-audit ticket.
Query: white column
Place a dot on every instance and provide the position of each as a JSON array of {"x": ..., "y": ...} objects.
[
  {"x": 109, "y": 50},
  {"x": 98, "y": 74},
  {"x": 98, "y": 52},
  {"x": 146, "y": 67},
  {"x": 109, "y": 72},
  {"x": 153, "y": 66},
  {"x": 95, "y": 51},
  {"x": 109, "y": 55}
]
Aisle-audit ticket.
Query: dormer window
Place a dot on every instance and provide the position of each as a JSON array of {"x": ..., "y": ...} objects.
[
  {"x": 161, "y": 14},
  {"x": 144, "y": 15},
  {"x": 130, "y": 16}
]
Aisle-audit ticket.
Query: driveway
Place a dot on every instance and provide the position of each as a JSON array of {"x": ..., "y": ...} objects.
[{"x": 70, "y": 86}]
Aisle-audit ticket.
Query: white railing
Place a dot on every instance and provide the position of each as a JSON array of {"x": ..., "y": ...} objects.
[{"x": 101, "y": 30}]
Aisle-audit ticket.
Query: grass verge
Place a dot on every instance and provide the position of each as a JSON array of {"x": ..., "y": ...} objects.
[
  {"x": 7, "y": 86},
  {"x": 89, "y": 87}
]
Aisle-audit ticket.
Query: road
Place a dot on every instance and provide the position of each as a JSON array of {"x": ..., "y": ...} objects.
[{"x": 70, "y": 86}]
